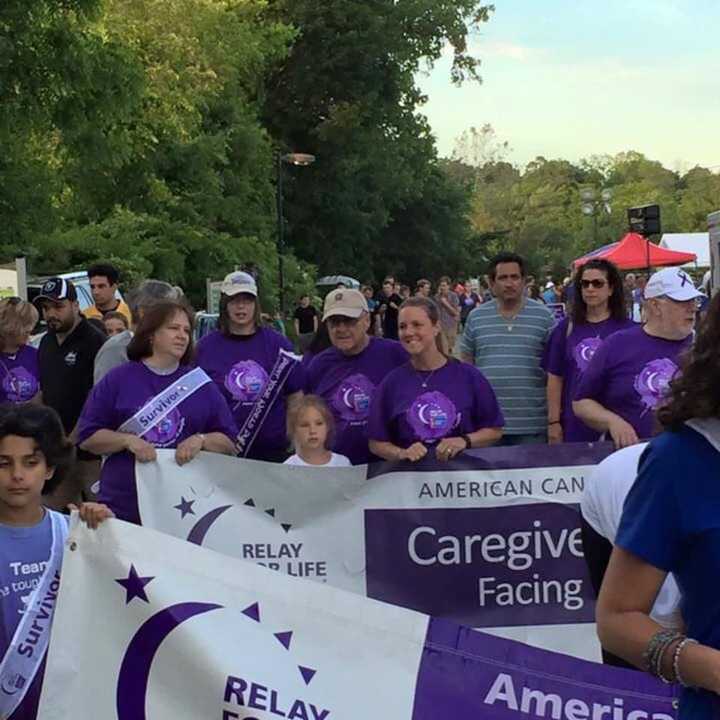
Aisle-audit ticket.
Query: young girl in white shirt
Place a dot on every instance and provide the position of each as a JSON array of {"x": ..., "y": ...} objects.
[{"x": 310, "y": 426}]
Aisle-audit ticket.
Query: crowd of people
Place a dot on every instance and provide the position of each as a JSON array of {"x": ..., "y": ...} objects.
[{"x": 397, "y": 376}]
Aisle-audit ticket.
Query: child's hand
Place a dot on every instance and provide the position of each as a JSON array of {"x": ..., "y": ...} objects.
[{"x": 92, "y": 514}]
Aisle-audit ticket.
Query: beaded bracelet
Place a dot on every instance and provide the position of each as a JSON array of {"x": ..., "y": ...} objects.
[
  {"x": 676, "y": 659},
  {"x": 655, "y": 651}
]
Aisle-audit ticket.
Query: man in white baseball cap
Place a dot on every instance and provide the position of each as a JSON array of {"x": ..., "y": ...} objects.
[
  {"x": 629, "y": 375},
  {"x": 347, "y": 373}
]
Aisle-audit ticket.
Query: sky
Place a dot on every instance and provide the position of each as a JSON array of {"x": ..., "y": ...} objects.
[{"x": 569, "y": 79}]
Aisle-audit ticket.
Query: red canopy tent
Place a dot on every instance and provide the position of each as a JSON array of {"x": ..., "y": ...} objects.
[{"x": 635, "y": 252}]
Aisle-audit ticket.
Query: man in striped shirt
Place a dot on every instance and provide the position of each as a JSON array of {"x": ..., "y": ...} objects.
[{"x": 505, "y": 338}]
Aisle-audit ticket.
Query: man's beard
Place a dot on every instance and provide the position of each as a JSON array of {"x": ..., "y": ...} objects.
[{"x": 60, "y": 326}]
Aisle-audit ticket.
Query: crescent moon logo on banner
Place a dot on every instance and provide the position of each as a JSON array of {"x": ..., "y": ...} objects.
[
  {"x": 134, "y": 675},
  {"x": 200, "y": 529},
  {"x": 346, "y": 397}
]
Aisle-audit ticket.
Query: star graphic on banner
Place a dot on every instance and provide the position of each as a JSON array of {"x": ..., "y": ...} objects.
[
  {"x": 134, "y": 585},
  {"x": 185, "y": 507}
]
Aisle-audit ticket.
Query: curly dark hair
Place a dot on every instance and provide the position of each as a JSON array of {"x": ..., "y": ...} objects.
[
  {"x": 695, "y": 393},
  {"x": 42, "y": 424},
  {"x": 616, "y": 303}
]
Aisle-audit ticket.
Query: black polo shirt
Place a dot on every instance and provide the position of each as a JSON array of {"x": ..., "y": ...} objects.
[{"x": 66, "y": 371}]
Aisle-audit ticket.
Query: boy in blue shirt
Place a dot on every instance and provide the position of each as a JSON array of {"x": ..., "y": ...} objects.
[{"x": 32, "y": 538}]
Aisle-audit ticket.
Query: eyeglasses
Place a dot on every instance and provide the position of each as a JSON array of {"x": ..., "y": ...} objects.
[
  {"x": 338, "y": 320},
  {"x": 597, "y": 284}
]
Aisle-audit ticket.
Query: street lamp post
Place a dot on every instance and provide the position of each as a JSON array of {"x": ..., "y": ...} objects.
[
  {"x": 299, "y": 160},
  {"x": 592, "y": 205}
]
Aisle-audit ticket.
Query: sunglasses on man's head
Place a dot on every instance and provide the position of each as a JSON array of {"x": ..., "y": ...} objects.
[{"x": 597, "y": 283}]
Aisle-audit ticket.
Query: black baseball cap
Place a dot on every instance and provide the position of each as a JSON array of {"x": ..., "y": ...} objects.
[{"x": 56, "y": 289}]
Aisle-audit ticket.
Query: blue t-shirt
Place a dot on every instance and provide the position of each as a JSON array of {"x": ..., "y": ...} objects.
[
  {"x": 671, "y": 519},
  {"x": 24, "y": 551},
  {"x": 508, "y": 353}
]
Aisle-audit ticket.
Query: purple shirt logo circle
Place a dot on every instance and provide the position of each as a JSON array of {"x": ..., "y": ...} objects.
[
  {"x": 19, "y": 385},
  {"x": 584, "y": 351},
  {"x": 432, "y": 416},
  {"x": 246, "y": 380},
  {"x": 653, "y": 381},
  {"x": 351, "y": 400},
  {"x": 167, "y": 431}
]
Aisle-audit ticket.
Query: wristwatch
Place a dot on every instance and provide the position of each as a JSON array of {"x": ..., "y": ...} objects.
[{"x": 468, "y": 441}]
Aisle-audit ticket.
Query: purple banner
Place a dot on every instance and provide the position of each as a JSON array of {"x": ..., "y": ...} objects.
[
  {"x": 483, "y": 567},
  {"x": 468, "y": 675},
  {"x": 503, "y": 458}
]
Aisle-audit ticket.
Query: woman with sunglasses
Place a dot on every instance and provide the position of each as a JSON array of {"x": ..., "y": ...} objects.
[
  {"x": 18, "y": 360},
  {"x": 598, "y": 312},
  {"x": 628, "y": 378}
]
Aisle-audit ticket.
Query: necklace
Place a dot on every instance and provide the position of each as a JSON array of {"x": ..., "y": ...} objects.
[
  {"x": 424, "y": 382},
  {"x": 511, "y": 320}
]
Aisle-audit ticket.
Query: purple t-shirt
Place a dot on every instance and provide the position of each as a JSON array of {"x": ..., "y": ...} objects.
[
  {"x": 568, "y": 356},
  {"x": 630, "y": 373},
  {"x": 22, "y": 550},
  {"x": 347, "y": 383},
  {"x": 457, "y": 400},
  {"x": 20, "y": 375},
  {"x": 118, "y": 396},
  {"x": 240, "y": 366}
]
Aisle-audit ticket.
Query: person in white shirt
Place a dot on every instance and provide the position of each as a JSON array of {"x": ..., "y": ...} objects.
[
  {"x": 602, "y": 504},
  {"x": 310, "y": 427}
]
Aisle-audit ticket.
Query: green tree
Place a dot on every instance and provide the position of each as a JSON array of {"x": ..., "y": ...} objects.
[
  {"x": 347, "y": 94},
  {"x": 64, "y": 87}
]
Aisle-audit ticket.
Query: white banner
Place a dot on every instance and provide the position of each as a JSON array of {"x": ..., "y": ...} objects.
[
  {"x": 492, "y": 541},
  {"x": 150, "y": 627}
]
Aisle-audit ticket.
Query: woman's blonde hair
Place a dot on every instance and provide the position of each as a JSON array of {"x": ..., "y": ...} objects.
[
  {"x": 17, "y": 319},
  {"x": 298, "y": 406},
  {"x": 433, "y": 312}
]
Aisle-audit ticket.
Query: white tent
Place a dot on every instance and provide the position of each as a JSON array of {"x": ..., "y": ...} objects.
[{"x": 698, "y": 243}]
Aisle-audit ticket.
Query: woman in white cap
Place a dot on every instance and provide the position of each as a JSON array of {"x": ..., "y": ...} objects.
[
  {"x": 254, "y": 369},
  {"x": 629, "y": 375}
]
